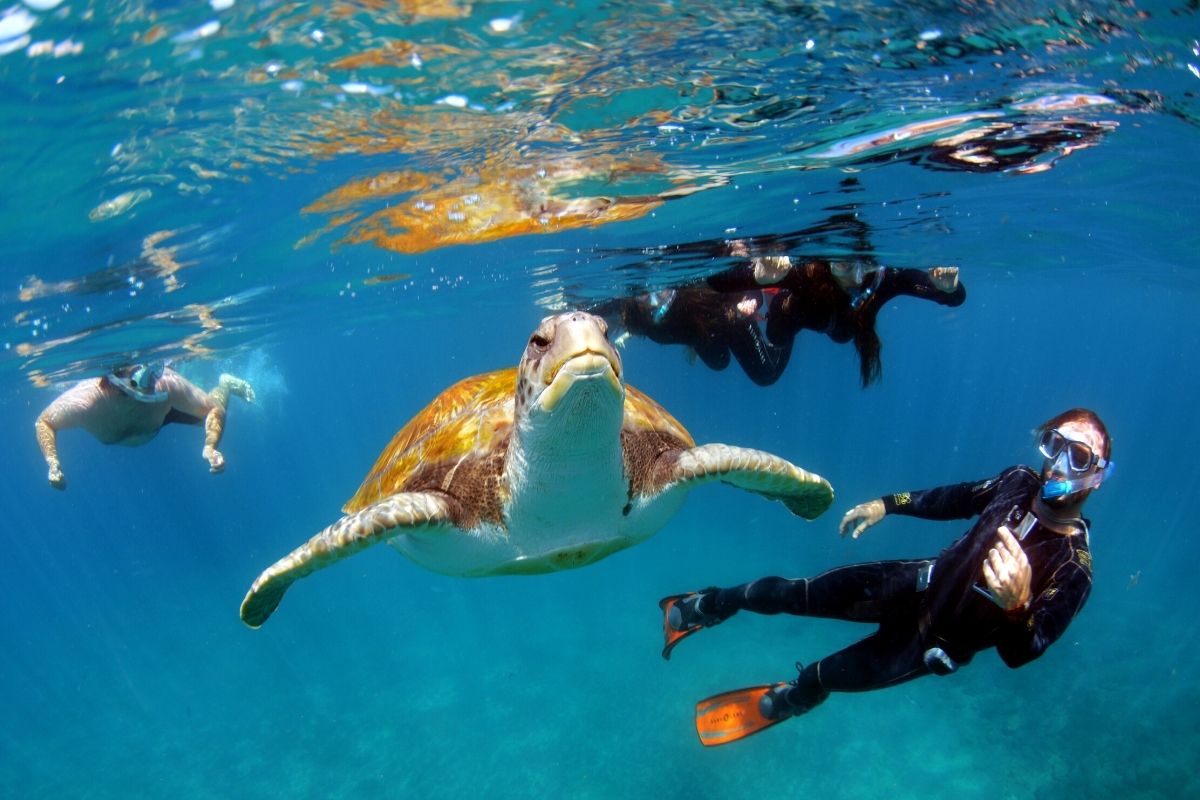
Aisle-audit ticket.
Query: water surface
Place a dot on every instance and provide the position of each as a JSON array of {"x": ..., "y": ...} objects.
[{"x": 354, "y": 205}]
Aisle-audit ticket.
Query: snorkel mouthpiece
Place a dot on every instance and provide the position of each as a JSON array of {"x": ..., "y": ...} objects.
[{"x": 1053, "y": 489}]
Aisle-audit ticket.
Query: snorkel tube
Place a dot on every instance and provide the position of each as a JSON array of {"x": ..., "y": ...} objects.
[
  {"x": 660, "y": 302},
  {"x": 1052, "y": 489}
]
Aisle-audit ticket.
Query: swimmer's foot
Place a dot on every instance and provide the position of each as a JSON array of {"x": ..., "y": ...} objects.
[
  {"x": 237, "y": 386},
  {"x": 784, "y": 700},
  {"x": 682, "y": 616},
  {"x": 730, "y": 716}
]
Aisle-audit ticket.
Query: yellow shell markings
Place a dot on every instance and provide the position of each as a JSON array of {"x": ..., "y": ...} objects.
[
  {"x": 464, "y": 420},
  {"x": 467, "y": 419},
  {"x": 642, "y": 413}
]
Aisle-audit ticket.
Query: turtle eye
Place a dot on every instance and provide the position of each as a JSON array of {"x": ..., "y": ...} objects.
[{"x": 539, "y": 341}]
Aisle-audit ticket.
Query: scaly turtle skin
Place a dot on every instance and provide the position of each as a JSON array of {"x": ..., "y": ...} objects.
[{"x": 549, "y": 466}]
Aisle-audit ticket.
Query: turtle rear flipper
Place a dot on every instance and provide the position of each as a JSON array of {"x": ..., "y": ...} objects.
[
  {"x": 805, "y": 494},
  {"x": 377, "y": 523}
]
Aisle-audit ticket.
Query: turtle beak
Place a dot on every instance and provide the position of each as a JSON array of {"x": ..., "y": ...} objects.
[{"x": 580, "y": 352}]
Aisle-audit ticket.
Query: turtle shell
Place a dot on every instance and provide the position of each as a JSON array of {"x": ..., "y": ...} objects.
[{"x": 471, "y": 422}]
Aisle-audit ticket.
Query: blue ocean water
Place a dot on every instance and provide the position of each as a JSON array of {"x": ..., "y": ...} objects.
[{"x": 354, "y": 205}]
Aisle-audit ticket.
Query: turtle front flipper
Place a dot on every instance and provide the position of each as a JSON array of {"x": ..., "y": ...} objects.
[
  {"x": 377, "y": 523},
  {"x": 804, "y": 493}
]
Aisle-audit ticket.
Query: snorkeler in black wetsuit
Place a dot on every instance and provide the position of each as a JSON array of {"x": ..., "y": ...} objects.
[
  {"x": 842, "y": 300},
  {"x": 1014, "y": 582},
  {"x": 714, "y": 324},
  {"x": 720, "y": 316}
]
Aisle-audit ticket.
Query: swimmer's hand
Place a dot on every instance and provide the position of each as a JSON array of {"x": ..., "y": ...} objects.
[
  {"x": 1007, "y": 572},
  {"x": 861, "y": 517},
  {"x": 56, "y": 477},
  {"x": 216, "y": 461},
  {"x": 944, "y": 278}
]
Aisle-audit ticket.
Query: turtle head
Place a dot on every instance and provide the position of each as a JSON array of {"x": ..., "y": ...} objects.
[{"x": 568, "y": 353}]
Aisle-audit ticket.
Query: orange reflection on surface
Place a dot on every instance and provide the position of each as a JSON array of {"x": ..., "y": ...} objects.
[
  {"x": 374, "y": 187},
  {"x": 427, "y": 9},
  {"x": 469, "y": 212},
  {"x": 499, "y": 202},
  {"x": 394, "y": 53},
  {"x": 162, "y": 258}
]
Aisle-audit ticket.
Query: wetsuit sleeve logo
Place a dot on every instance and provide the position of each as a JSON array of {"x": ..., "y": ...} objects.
[{"x": 902, "y": 499}]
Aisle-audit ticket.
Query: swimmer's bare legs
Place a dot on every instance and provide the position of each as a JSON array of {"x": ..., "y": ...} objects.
[
  {"x": 214, "y": 423},
  {"x": 230, "y": 384}
]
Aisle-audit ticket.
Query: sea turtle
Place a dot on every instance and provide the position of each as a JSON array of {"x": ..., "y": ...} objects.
[{"x": 552, "y": 465}]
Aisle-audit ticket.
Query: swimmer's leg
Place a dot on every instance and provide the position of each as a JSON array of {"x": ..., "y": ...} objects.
[
  {"x": 867, "y": 592},
  {"x": 227, "y": 385},
  {"x": 214, "y": 423}
]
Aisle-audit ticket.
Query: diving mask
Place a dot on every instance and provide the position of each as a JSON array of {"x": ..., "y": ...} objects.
[
  {"x": 1080, "y": 457},
  {"x": 1073, "y": 457},
  {"x": 138, "y": 382}
]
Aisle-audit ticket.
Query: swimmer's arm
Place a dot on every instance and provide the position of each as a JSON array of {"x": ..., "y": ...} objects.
[
  {"x": 190, "y": 399},
  {"x": 956, "y": 501},
  {"x": 65, "y": 412},
  {"x": 919, "y": 283},
  {"x": 46, "y": 440}
]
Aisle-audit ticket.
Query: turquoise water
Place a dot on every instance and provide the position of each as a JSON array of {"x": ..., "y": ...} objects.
[{"x": 353, "y": 206}]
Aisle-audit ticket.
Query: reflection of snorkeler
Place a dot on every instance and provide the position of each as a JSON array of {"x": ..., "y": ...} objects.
[
  {"x": 712, "y": 323},
  {"x": 839, "y": 298},
  {"x": 130, "y": 405}
]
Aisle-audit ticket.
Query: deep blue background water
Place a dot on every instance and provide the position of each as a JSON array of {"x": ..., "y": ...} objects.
[{"x": 125, "y": 669}]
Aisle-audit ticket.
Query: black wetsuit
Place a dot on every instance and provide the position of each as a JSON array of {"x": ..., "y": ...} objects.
[
  {"x": 708, "y": 321},
  {"x": 809, "y": 298},
  {"x": 792, "y": 312},
  {"x": 949, "y": 613}
]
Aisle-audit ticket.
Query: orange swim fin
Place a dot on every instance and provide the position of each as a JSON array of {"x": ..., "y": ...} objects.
[
  {"x": 672, "y": 637},
  {"x": 730, "y": 716}
]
